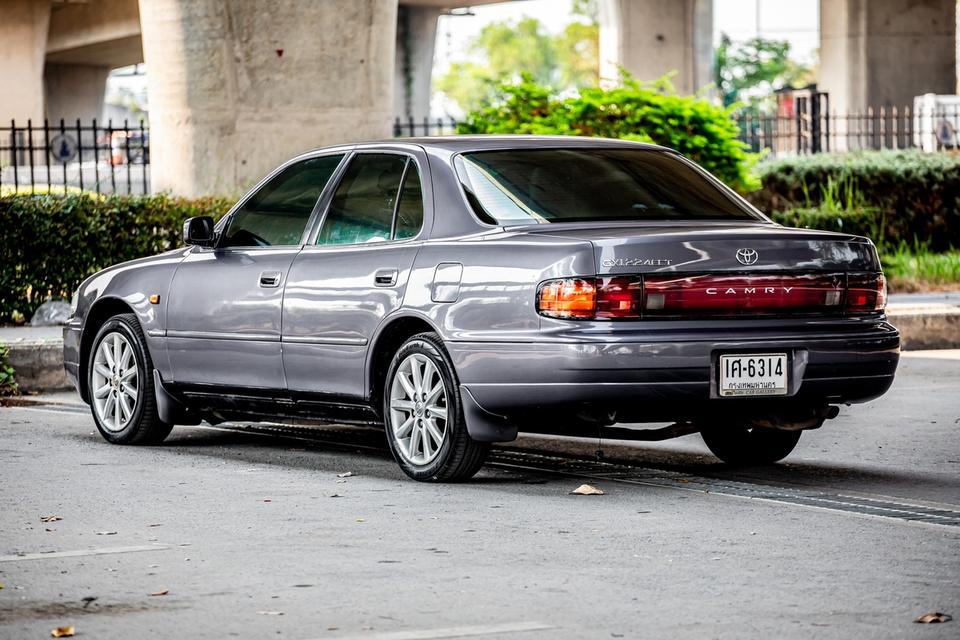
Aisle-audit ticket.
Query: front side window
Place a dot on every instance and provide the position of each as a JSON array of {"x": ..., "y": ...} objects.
[
  {"x": 378, "y": 199},
  {"x": 523, "y": 186},
  {"x": 278, "y": 212}
]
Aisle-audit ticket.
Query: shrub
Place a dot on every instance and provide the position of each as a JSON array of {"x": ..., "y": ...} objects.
[
  {"x": 648, "y": 113},
  {"x": 8, "y": 384},
  {"x": 914, "y": 196},
  {"x": 51, "y": 243}
]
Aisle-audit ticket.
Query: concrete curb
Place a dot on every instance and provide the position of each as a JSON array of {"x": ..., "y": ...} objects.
[
  {"x": 39, "y": 362},
  {"x": 926, "y": 326}
]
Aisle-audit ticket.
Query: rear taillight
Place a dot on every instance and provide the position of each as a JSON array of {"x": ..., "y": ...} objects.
[
  {"x": 709, "y": 295},
  {"x": 866, "y": 293},
  {"x": 740, "y": 295},
  {"x": 590, "y": 298},
  {"x": 568, "y": 298}
]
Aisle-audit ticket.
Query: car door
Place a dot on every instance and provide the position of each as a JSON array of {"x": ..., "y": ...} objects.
[
  {"x": 354, "y": 273},
  {"x": 224, "y": 310}
]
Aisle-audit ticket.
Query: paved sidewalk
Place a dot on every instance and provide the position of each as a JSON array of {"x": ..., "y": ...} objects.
[{"x": 925, "y": 320}]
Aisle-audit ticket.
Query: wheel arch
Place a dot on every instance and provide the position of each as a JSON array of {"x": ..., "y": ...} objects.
[
  {"x": 101, "y": 311},
  {"x": 393, "y": 333}
]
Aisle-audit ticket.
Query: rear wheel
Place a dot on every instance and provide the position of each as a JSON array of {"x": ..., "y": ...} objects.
[
  {"x": 743, "y": 444},
  {"x": 423, "y": 414},
  {"x": 120, "y": 381}
]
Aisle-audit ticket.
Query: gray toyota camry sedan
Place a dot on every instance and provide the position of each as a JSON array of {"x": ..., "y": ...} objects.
[{"x": 457, "y": 290}]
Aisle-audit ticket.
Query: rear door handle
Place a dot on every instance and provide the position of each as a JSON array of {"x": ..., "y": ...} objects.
[
  {"x": 385, "y": 277},
  {"x": 270, "y": 279}
]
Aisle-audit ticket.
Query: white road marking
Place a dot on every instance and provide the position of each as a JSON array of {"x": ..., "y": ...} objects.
[
  {"x": 938, "y": 354},
  {"x": 82, "y": 552},
  {"x": 453, "y": 632}
]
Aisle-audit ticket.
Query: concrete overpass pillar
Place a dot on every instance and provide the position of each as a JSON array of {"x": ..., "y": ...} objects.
[
  {"x": 23, "y": 44},
  {"x": 650, "y": 38},
  {"x": 416, "y": 38},
  {"x": 238, "y": 86},
  {"x": 877, "y": 53},
  {"x": 75, "y": 91}
]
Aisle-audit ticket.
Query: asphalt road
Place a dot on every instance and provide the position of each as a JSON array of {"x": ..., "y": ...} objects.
[{"x": 252, "y": 534}]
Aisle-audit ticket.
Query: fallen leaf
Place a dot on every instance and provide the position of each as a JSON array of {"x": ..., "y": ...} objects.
[
  {"x": 106, "y": 533},
  {"x": 63, "y": 632},
  {"x": 587, "y": 490},
  {"x": 934, "y": 617},
  {"x": 50, "y": 518},
  {"x": 162, "y": 592},
  {"x": 345, "y": 474},
  {"x": 335, "y": 495},
  {"x": 270, "y": 613},
  {"x": 360, "y": 520},
  {"x": 1, "y": 586},
  {"x": 87, "y": 600}
]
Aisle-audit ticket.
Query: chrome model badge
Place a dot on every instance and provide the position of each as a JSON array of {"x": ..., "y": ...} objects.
[{"x": 747, "y": 256}]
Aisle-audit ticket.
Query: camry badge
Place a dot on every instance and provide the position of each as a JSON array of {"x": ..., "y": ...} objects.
[{"x": 747, "y": 256}]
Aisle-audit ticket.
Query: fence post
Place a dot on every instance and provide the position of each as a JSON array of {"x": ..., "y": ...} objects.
[{"x": 33, "y": 188}]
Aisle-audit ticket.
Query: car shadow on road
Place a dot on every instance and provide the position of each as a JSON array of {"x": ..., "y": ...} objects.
[{"x": 337, "y": 448}]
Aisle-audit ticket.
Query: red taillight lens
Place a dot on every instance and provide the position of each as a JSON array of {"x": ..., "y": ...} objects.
[
  {"x": 619, "y": 297},
  {"x": 866, "y": 292},
  {"x": 740, "y": 295},
  {"x": 568, "y": 298}
]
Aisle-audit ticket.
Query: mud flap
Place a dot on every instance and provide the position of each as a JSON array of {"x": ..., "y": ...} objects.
[
  {"x": 482, "y": 425},
  {"x": 169, "y": 409}
]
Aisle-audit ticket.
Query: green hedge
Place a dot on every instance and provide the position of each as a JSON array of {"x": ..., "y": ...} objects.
[
  {"x": 52, "y": 243},
  {"x": 693, "y": 126},
  {"x": 907, "y": 195}
]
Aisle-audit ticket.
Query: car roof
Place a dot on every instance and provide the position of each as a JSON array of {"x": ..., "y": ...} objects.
[{"x": 462, "y": 143}]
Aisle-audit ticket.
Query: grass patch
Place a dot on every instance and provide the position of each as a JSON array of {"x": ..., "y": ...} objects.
[{"x": 919, "y": 269}]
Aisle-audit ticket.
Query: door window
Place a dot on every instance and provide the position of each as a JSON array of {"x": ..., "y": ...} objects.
[
  {"x": 410, "y": 207},
  {"x": 278, "y": 212},
  {"x": 369, "y": 198}
]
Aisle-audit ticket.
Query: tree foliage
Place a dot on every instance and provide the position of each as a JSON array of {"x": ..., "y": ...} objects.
[
  {"x": 751, "y": 71},
  {"x": 506, "y": 50},
  {"x": 647, "y": 112}
]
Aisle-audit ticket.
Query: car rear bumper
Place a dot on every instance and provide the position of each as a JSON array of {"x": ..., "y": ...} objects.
[{"x": 671, "y": 379}]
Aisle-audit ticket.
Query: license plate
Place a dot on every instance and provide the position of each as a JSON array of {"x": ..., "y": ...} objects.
[{"x": 755, "y": 374}]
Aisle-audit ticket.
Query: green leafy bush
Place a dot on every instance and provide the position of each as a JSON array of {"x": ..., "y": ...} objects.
[
  {"x": 693, "y": 126},
  {"x": 51, "y": 243},
  {"x": 8, "y": 384},
  {"x": 911, "y": 196}
]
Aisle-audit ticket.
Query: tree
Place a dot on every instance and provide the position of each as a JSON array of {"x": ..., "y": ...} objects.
[
  {"x": 505, "y": 51},
  {"x": 751, "y": 71}
]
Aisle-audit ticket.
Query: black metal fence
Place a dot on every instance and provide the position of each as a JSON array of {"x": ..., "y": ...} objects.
[
  {"x": 403, "y": 127},
  {"x": 63, "y": 158},
  {"x": 812, "y": 128}
]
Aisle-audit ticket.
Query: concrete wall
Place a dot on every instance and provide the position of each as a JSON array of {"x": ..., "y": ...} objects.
[
  {"x": 23, "y": 41},
  {"x": 74, "y": 91},
  {"x": 650, "y": 38},
  {"x": 416, "y": 38},
  {"x": 877, "y": 53},
  {"x": 236, "y": 87}
]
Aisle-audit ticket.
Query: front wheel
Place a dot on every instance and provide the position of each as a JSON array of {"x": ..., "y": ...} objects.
[
  {"x": 120, "y": 382},
  {"x": 744, "y": 444},
  {"x": 423, "y": 414}
]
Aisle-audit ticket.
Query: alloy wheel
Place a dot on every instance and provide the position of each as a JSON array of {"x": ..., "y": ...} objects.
[
  {"x": 418, "y": 409},
  {"x": 116, "y": 382}
]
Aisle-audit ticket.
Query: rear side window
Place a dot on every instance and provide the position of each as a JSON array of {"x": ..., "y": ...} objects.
[
  {"x": 378, "y": 199},
  {"x": 277, "y": 214},
  {"x": 523, "y": 186}
]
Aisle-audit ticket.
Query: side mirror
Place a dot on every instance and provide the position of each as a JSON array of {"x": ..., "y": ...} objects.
[{"x": 198, "y": 231}]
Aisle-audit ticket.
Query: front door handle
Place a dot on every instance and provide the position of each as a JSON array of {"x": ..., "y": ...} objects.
[
  {"x": 270, "y": 279},
  {"x": 385, "y": 278}
]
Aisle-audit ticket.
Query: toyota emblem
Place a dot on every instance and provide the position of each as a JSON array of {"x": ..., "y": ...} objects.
[{"x": 747, "y": 256}]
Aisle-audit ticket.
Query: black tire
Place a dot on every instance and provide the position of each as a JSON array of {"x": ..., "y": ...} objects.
[
  {"x": 459, "y": 457},
  {"x": 144, "y": 426},
  {"x": 744, "y": 445}
]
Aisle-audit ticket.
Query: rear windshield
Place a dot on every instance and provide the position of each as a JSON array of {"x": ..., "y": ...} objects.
[{"x": 519, "y": 186}]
